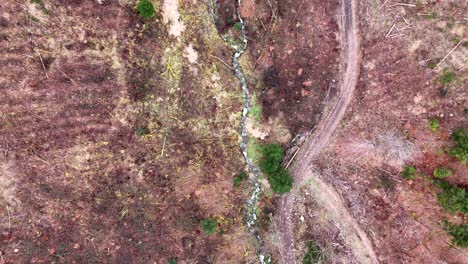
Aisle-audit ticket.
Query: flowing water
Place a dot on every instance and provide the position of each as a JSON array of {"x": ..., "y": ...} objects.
[{"x": 252, "y": 202}]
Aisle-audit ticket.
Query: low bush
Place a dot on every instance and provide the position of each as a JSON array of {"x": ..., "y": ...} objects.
[
  {"x": 270, "y": 163},
  {"x": 433, "y": 125},
  {"x": 459, "y": 233},
  {"x": 408, "y": 172},
  {"x": 145, "y": 8},
  {"x": 314, "y": 254},
  {"x": 238, "y": 26},
  {"x": 242, "y": 176},
  {"x": 271, "y": 158},
  {"x": 446, "y": 77},
  {"x": 460, "y": 150},
  {"x": 452, "y": 198},
  {"x": 209, "y": 226},
  {"x": 280, "y": 181},
  {"x": 442, "y": 172}
]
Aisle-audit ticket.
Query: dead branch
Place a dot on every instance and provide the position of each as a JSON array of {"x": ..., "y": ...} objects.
[
  {"x": 289, "y": 162},
  {"x": 390, "y": 31},
  {"x": 450, "y": 52},
  {"x": 383, "y": 4},
  {"x": 227, "y": 65},
  {"x": 402, "y": 4}
]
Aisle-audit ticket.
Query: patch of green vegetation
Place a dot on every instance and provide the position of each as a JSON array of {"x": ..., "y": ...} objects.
[
  {"x": 432, "y": 15},
  {"x": 460, "y": 150},
  {"x": 314, "y": 254},
  {"x": 452, "y": 198},
  {"x": 434, "y": 124},
  {"x": 255, "y": 111},
  {"x": 446, "y": 77},
  {"x": 431, "y": 65},
  {"x": 145, "y": 8},
  {"x": 408, "y": 172},
  {"x": 455, "y": 39},
  {"x": 141, "y": 131},
  {"x": 238, "y": 26},
  {"x": 172, "y": 261},
  {"x": 459, "y": 233},
  {"x": 41, "y": 5},
  {"x": 253, "y": 149},
  {"x": 442, "y": 172},
  {"x": 271, "y": 158},
  {"x": 451, "y": 22},
  {"x": 270, "y": 164},
  {"x": 281, "y": 181},
  {"x": 242, "y": 176},
  {"x": 209, "y": 226}
]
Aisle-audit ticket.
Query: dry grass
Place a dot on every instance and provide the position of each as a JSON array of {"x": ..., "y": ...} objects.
[{"x": 389, "y": 148}]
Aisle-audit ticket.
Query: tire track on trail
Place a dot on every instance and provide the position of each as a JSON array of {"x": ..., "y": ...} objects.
[{"x": 301, "y": 168}]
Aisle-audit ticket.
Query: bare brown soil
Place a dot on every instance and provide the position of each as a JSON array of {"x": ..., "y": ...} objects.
[
  {"x": 294, "y": 53},
  {"x": 113, "y": 146}
]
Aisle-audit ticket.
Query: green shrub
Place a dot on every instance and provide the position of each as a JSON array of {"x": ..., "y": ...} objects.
[
  {"x": 145, "y": 8},
  {"x": 141, "y": 131},
  {"x": 242, "y": 176},
  {"x": 432, "y": 15},
  {"x": 452, "y": 198},
  {"x": 431, "y": 65},
  {"x": 408, "y": 172},
  {"x": 433, "y": 124},
  {"x": 446, "y": 77},
  {"x": 460, "y": 150},
  {"x": 172, "y": 261},
  {"x": 280, "y": 181},
  {"x": 270, "y": 164},
  {"x": 209, "y": 226},
  {"x": 459, "y": 233},
  {"x": 238, "y": 26},
  {"x": 314, "y": 254},
  {"x": 442, "y": 172},
  {"x": 271, "y": 158}
]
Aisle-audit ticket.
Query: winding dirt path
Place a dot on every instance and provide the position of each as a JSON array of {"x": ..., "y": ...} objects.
[{"x": 324, "y": 193}]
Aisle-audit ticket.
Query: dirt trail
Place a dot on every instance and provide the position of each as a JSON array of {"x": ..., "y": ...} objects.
[{"x": 325, "y": 194}]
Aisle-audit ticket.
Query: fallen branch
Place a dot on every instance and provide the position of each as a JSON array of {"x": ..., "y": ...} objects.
[
  {"x": 227, "y": 65},
  {"x": 402, "y": 4},
  {"x": 390, "y": 31},
  {"x": 383, "y": 4},
  {"x": 292, "y": 158},
  {"x": 450, "y": 52}
]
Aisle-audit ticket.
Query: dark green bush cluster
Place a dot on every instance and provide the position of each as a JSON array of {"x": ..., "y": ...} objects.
[
  {"x": 442, "y": 172},
  {"x": 459, "y": 233},
  {"x": 242, "y": 176},
  {"x": 460, "y": 150},
  {"x": 314, "y": 254},
  {"x": 452, "y": 198},
  {"x": 145, "y": 8},
  {"x": 270, "y": 163},
  {"x": 209, "y": 226},
  {"x": 408, "y": 172}
]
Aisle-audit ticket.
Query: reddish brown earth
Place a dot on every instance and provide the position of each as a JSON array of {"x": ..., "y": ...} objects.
[
  {"x": 92, "y": 169},
  {"x": 295, "y": 50}
]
